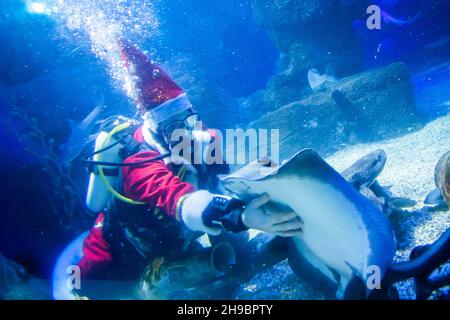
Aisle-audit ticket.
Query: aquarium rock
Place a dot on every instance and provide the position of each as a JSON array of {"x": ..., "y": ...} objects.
[
  {"x": 310, "y": 34},
  {"x": 370, "y": 106},
  {"x": 16, "y": 283},
  {"x": 212, "y": 102}
]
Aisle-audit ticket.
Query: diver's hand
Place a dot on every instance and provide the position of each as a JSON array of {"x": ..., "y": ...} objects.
[
  {"x": 258, "y": 215},
  {"x": 193, "y": 209}
]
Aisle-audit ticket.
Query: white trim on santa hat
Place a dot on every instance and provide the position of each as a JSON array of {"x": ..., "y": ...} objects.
[{"x": 168, "y": 109}]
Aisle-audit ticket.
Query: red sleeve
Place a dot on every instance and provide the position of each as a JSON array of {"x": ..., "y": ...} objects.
[
  {"x": 96, "y": 251},
  {"x": 153, "y": 183}
]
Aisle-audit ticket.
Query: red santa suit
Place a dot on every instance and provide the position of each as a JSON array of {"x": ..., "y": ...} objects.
[
  {"x": 153, "y": 183},
  {"x": 126, "y": 238},
  {"x": 132, "y": 235}
]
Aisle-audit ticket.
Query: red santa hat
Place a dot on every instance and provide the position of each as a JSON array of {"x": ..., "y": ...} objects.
[{"x": 156, "y": 95}]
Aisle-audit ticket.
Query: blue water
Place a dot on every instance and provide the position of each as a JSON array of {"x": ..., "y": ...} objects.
[{"x": 56, "y": 65}]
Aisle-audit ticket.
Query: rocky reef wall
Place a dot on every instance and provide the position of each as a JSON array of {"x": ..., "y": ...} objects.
[
  {"x": 373, "y": 105},
  {"x": 212, "y": 102},
  {"x": 17, "y": 284},
  {"x": 359, "y": 106},
  {"x": 309, "y": 34}
]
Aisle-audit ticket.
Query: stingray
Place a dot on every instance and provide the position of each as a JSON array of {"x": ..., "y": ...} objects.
[
  {"x": 345, "y": 235},
  {"x": 347, "y": 239}
]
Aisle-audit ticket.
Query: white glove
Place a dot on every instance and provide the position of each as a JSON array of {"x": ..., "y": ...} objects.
[
  {"x": 260, "y": 216},
  {"x": 192, "y": 210}
]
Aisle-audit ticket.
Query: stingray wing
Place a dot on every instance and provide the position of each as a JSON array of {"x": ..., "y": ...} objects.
[{"x": 342, "y": 227}]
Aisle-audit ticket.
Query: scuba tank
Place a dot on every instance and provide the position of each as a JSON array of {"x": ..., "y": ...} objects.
[
  {"x": 98, "y": 196},
  {"x": 104, "y": 179},
  {"x": 114, "y": 143}
]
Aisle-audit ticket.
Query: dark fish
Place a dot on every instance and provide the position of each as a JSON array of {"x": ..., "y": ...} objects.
[
  {"x": 394, "y": 203},
  {"x": 441, "y": 195},
  {"x": 353, "y": 115},
  {"x": 200, "y": 272},
  {"x": 435, "y": 197},
  {"x": 423, "y": 261}
]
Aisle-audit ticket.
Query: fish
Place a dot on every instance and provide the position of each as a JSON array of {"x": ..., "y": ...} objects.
[
  {"x": 362, "y": 175},
  {"x": 318, "y": 81},
  {"x": 353, "y": 115},
  {"x": 432, "y": 71},
  {"x": 434, "y": 197},
  {"x": 443, "y": 41},
  {"x": 183, "y": 278},
  {"x": 398, "y": 21},
  {"x": 440, "y": 196},
  {"x": 80, "y": 136},
  {"x": 210, "y": 270},
  {"x": 345, "y": 234},
  {"x": 366, "y": 170}
]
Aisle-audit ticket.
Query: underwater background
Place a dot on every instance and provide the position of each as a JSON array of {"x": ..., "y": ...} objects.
[{"x": 244, "y": 64}]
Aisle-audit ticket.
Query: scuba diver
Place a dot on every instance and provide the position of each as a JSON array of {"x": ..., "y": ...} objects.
[{"x": 160, "y": 207}]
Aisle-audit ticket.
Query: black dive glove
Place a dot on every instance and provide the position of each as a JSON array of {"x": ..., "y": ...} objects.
[
  {"x": 210, "y": 213},
  {"x": 225, "y": 212}
]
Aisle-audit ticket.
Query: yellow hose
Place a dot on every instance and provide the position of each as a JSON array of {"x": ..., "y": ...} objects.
[{"x": 100, "y": 168}]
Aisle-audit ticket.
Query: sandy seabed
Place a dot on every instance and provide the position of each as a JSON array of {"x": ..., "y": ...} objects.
[{"x": 409, "y": 173}]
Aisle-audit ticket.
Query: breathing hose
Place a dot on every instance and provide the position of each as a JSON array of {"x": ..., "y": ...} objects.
[{"x": 100, "y": 167}]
